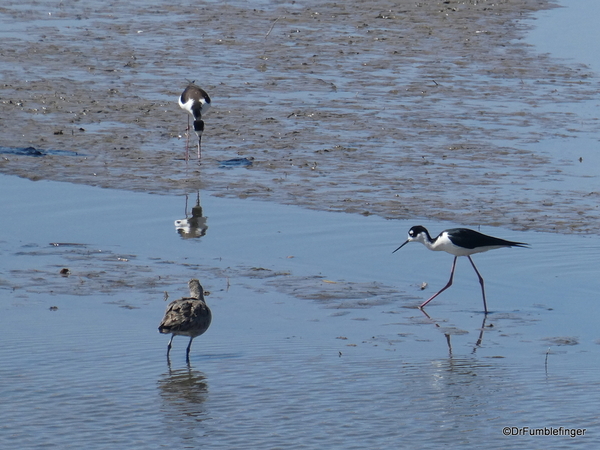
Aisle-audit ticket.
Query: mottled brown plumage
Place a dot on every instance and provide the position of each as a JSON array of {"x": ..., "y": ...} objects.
[{"x": 188, "y": 316}]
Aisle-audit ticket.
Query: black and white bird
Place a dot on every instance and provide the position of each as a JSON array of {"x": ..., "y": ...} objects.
[
  {"x": 458, "y": 242},
  {"x": 187, "y": 316},
  {"x": 197, "y": 102}
]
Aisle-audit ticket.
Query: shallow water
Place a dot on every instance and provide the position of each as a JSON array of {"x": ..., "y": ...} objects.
[
  {"x": 315, "y": 340},
  {"x": 566, "y": 33}
]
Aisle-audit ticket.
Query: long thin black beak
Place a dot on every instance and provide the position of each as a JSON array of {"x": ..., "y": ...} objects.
[{"x": 400, "y": 246}]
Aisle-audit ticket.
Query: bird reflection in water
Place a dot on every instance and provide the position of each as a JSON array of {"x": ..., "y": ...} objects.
[
  {"x": 449, "y": 331},
  {"x": 183, "y": 392},
  {"x": 194, "y": 225}
]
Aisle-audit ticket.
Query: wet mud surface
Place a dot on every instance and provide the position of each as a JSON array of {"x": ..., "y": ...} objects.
[
  {"x": 400, "y": 109},
  {"x": 83, "y": 270}
]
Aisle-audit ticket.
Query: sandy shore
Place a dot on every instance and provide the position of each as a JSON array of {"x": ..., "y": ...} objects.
[{"x": 405, "y": 110}]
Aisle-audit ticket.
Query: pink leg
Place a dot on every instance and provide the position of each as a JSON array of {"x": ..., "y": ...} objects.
[
  {"x": 445, "y": 287},
  {"x": 187, "y": 139},
  {"x": 480, "y": 282}
]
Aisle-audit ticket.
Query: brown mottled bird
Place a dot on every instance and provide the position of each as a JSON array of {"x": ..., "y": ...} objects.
[{"x": 187, "y": 316}]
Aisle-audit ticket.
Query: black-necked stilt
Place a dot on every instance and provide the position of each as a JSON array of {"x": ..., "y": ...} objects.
[
  {"x": 188, "y": 316},
  {"x": 458, "y": 242},
  {"x": 197, "y": 102}
]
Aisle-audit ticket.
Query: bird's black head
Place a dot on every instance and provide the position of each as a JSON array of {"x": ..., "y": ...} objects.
[
  {"x": 413, "y": 235},
  {"x": 416, "y": 230},
  {"x": 199, "y": 126}
]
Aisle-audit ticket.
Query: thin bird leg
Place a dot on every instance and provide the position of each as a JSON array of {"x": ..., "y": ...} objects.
[
  {"x": 187, "y": 139},
  {"x": 199, "y": 141},
  {"x": 169, "y": 346},
  {"x": 187, "y": 352},
  {"x": 445, "y": 287},
  {"x": 480, "y": 282}
]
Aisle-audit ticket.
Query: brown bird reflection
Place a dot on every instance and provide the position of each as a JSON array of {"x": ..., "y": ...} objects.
[{"x": 183, "y": 392}]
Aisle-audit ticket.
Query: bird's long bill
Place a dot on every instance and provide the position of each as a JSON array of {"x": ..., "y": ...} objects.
[{"x": 400, "y": 246}]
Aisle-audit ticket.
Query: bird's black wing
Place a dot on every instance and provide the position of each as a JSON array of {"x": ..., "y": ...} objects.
[{"x": 466, "y": 238}]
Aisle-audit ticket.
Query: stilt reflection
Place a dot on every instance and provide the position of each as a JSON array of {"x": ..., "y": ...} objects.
[
  {"x": 194, "y": 225},
  {"x": 449, "y": 331}
]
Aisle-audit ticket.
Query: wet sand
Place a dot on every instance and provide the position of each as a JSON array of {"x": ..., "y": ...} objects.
[{"x": 403, "y": 110}]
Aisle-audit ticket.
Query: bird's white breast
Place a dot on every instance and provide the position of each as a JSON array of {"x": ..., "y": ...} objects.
[
  {"x": 188, "y": 105},
  {"x": 444, "y": 244}
]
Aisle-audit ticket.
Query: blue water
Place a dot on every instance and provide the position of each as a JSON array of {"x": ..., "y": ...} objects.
[
  {"x": 315, "y": 341},
  {"x": 569, "y": 33},
  {"x": 277, "y": 369}
]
